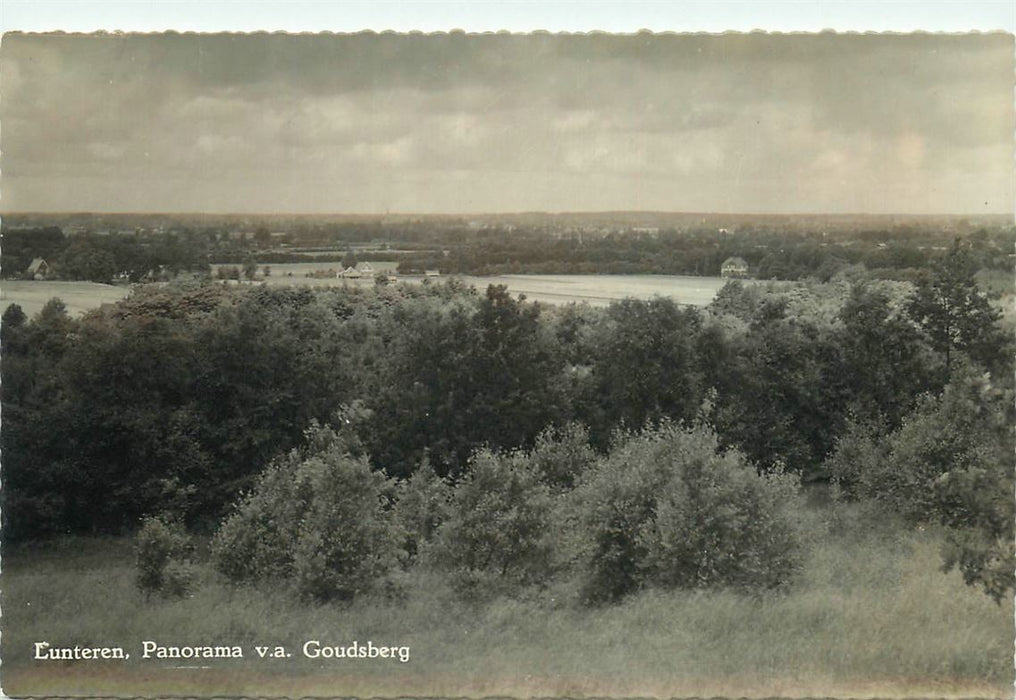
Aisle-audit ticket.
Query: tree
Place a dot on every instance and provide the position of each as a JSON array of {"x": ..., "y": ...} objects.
[
  {"x": 782, "y": 401},
  {"x": 955, "y": 314},
  {"x": 460, "y": 374},
  {"x": 645, "y": 367},
  {"x": 13, "y": 317},
  {"x": 887, "y": 360},
  {"x": 950, "y": 462},
  {"x": 250, "y": 267}
]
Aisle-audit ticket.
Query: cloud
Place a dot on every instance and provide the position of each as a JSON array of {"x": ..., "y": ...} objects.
[{"x": 492, "y": 122}]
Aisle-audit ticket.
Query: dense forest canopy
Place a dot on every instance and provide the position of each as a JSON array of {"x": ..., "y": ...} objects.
[{"x": 175, "y": 399}]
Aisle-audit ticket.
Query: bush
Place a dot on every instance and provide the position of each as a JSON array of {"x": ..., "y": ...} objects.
[
  {"x": 258, "y": 539},
  {"x": 498, "y": 536},
  {"x": 859, "y": 460},
  {"x": 162, "y": 558},
  {"x": 424, "y": 504},
  {"x": 666, "y": 509},
  {"x": 562, "y": 455},
  {"x": 348, "y": 540},
  {"x": 322, "y": 520},
  {"x": 950, "y": 463}
]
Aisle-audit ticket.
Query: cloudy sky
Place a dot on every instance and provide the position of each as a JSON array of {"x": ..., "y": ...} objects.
[{"x": 485, "y": 123}]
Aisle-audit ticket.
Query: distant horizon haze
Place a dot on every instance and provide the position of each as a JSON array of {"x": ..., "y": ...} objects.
[{"x": 547, "y": 213}]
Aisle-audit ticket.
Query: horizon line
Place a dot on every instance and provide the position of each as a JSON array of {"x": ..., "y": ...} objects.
[{"x": 78, "y": 212}]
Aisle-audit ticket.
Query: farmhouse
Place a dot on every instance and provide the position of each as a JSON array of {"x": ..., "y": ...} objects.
[
  {"x": 361, "y": 270},
  {"x": 734, "y": 267},
  {"x": 38, "y": 270}
]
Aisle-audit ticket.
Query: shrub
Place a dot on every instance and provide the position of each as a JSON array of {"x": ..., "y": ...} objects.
[
  {"x": 719, "y": 523},
  {"x": 982, "y": 559},
  {"x": 859, "y": 459},
  {"x": 562, "y": 455},
  {"x": 162, "y": 558},
  {"x": 950, "y": 462},
  {"x": 424, "y": 503},
  {"x": 498, "y": 536},
  {"x": 666, "y": 509},
  {"x": 321, "y": 519},
  {"x": 348, "y": 540},
  {"x": 258, "y": 539}
]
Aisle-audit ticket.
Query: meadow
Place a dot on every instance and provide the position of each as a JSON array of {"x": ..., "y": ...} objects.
[
  {"x": 595, "y": 290},
  {"x": 871, "y": 616},
  {"x": 79, "y": 297}
]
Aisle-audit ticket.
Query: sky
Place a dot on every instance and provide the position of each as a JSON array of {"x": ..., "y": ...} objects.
[{"x": 467, "y": 123}]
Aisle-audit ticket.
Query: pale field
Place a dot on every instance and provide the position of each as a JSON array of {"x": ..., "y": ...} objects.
[
  {"x": 596, "y": 290},
  {"x": 79, "y": 297}
]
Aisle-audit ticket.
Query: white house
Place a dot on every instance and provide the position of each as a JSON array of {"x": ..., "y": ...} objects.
[{"x": 734, "y": 267}]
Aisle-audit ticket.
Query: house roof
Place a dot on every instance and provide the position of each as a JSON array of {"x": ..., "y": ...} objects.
[
  {"x": 735, "y": 261},
  {"x": 37, "y": 264}
]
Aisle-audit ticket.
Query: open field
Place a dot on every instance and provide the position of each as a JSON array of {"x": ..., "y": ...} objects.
[
  {"x": 596, "y": 290},
  {"x": 872, "y": 617},
  {"x": 600, "y": 290},
  {"x": 79, "y": 297}
]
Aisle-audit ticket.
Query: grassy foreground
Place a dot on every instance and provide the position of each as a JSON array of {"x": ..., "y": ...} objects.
[{"x": 871, "y": 617}]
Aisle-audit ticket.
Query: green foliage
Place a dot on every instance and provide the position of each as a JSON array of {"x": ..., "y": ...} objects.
[
  {"x": 884, "y": 355},
  {"x": 956, "y": 314},
  {"x": 856, "y": 465},
  {"x": 498, "y": 536},
  {"x": 666, "y": 508},
  {"x": 162, "y": 552},
  {"x": 256, "y": 541},
  {"x": 961, "y": 432},
  {"x": 22, "y": 245},
  {"x": 737, "y": 299},
  {"x": 645, "y": 365},
  {"x": 250, "y": 267},
  {"x": 562, "y": 455},
  {"x": 460, "y": 373},
  {"x": 983, "y": 560},
  {"x": 348, "y": 542},
  {"x": 424, "y": 503},
  {"x": 781, "y": 399},
  {"x": 13, "y": 317},
  {"x": 321, "y": 519},
  {"x": 951, "y": 463}
]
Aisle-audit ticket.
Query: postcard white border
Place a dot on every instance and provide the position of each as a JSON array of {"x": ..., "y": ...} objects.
[{"x": 510, "y": 15}]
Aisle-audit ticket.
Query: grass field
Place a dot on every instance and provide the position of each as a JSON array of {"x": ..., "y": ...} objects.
[
  {"x": 79, "y": 297},
  {"x": 872, "y": 617},
  {"x": 596, "y": 290}
]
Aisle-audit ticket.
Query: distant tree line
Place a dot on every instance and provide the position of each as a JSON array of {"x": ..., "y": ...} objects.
[
  {"x": 770, "y": 253},
  {"x": 103, "y": 258}
]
